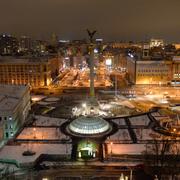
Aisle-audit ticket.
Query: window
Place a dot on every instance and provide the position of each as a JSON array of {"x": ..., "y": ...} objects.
[
  {"x": 7, "y": 135},
  {"x": 5, "y": 118}
]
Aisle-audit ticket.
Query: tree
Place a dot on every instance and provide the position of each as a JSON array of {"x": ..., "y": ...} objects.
[
  {"x": 161, "y": 156},
  {"x": 174, "y": 159}
]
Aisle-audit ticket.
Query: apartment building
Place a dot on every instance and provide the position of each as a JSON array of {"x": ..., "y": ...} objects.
[
  {"x": 149, "y": 71},
  {"x": 36, "y": 72},
  {"x": 14, "y": 109}
]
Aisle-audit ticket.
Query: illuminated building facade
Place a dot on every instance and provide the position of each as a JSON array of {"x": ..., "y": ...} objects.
[
  {"x": 176, "y": 70},
  {"x": 149, "y": 71},
  {"x": 109, "y": 61},
  {"x": 8, "y": 44},
  {"x": 34, "y": 72},
  {"x": 14, "y": 109},
  {"x": 39, "y": 46},
  {"x": 25, "y": 44},
  {"x": 156, "y": 43}
]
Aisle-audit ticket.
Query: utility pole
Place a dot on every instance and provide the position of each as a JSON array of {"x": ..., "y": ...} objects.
[{"x": 115, "y": 84}]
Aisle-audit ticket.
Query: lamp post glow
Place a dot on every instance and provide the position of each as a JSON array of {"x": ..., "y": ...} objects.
[
  {"x": 34, "y": 130},
  {"x": 84, "y": 105},
  {"x": 122, "y": 177},
  {"x": 111, "y": 147}
]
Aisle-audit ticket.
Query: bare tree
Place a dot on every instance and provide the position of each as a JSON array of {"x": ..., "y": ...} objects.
[
  {"x": 162, "y": 154},
  {"x": 173, "y": 160}
]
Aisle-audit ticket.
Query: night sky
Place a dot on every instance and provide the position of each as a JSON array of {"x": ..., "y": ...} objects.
[{"x": 113, "y": 19}]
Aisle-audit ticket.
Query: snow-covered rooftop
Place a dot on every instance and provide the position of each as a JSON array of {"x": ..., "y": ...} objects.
[
  {"x": 48, "y": 121},
  {"x": 126, "y": 148},
  {"x": 8, "y": 103},
  {"x": 15, "y": 152},
  {"x": 142, "y": 120},
  {"x": 38, "y": 133},
  {"x": 13, "y": 90},
  {"x": 10, "y": 96}
]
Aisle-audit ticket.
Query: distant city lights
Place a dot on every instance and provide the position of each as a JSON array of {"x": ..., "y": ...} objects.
[
  {"x": 96, "y": 51},
  {"x": 108, "y": 62}
]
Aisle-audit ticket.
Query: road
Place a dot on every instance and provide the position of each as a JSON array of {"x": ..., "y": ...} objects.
[
  {"x": 80, "y": 78},
  {"x": 86, "y": 172}
]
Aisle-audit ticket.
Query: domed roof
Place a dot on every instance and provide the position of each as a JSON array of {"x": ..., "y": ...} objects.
[{"x": 89, "y": 125}]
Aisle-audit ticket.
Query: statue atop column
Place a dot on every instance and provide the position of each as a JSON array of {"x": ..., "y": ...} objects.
[{"x": 91, "y": 35}]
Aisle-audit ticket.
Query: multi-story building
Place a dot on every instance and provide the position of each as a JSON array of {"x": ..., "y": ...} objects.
[
  {"x": 39, "y": 46},
  {"x": 109, "y": 60},
  {"x": 148, "y": 71},
  {"x": 25, "y": 44},
  {"x": 14, "y": 109},
  {"x": 156, "y": 43},
  {"x": 8, "y": 45},
  {"x": 177, "y": 45},
  {"x": 79, "y": 61},
  {"x": 176, "y": 70},
  {"x": 36, "y": 72},
  {"x": 125, "y": 45}
]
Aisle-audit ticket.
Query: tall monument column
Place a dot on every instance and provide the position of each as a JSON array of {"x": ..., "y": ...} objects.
[{"x": 92, "y": 92}]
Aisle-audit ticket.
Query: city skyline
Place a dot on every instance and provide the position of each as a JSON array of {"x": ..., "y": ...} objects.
[
  {"x": 90, "y": 90},
  {"x": 114, "y": 20}
]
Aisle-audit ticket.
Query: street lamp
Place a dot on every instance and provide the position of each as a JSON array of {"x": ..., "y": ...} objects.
[
  {"x": 122, "y": 177},
  {"x": 131, "y": 171},
  {"x": 111, "y": 147},
  {"x": 115, "y": 84},
  {"x": 84, "y": 105},
  {"x": 34, "y": 130}
]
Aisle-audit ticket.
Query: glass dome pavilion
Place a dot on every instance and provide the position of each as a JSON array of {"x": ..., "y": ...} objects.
[{"x": 89, "y": 125}]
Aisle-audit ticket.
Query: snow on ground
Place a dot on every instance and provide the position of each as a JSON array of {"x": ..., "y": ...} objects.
[
  {"x": 154, "y": 114},
  {"x": 15, "y": 152},
  {"x": 120, "y": 149},
  {"x": 10, "y": 167},
  {"x": 119, "y": 121},
  {"x": 128, "y": 104},
  {"x": 160, "y": 117},
  {"x": 37, "y": 97},
  {"x": 52, "y": 99},
  {"x": 44, "y": 103},
  {"x": 145, "y": 134},
  {"x": 140, "y": 120},
  {"x": 42, "y": 133},
  {"x": 122, "y": 134},
  {"x": 176, "y": 108},
  {"x": 48, "y": 121}
]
